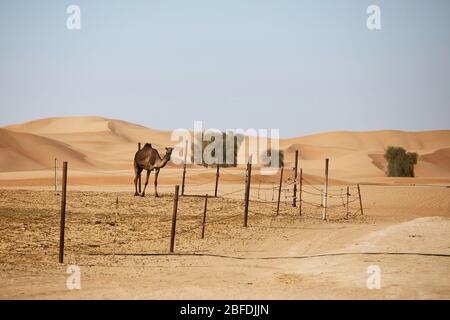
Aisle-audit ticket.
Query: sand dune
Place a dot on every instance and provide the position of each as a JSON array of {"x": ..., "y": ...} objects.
[
  {"x": 73, "y": 125},
  {"x": 25, "y": 151},
  {"x": 440, "y": 158},
  {"x": 108, "y": 144},
  {"x": 79, "y": 130},
  {"x": 360, "y": 154},
  {"x": 311, "y": 152},
  {"x": 377, "y": 140},
  {"x": 111, "y": 142},
  {"x": 435, "y": 164}
]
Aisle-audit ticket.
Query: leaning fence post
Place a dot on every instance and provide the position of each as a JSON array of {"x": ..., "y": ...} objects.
[
  {"x": 204, "y": 216},
  {"x": 300, "y": 191},
  {"x": 247, "y": 189},
  {"x": 294, "y": 199},
  {"x": 63, "y": 213},
  {"x": 279, "y": 191},
  {"x": 174, "y": 218},
  {"x": 217, "y": 181},
  {"x": 325, "y": 197},
  {"x": 360, "y": 201},
  {"x": 348, "y": 194},
  {"x": 139, "y": 177},
  {"x": 184, "y": 167}
]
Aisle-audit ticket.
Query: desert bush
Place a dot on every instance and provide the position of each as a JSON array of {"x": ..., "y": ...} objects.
[
  {"x": 226, "y": 136},
  {"x": 267, "y": 156},
  {"x": 400, "y": 162}
]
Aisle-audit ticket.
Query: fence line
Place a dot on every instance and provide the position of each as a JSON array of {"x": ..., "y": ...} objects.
[
  {"x": 286, "y": 187},
  {"x": 351, "y": 194}
]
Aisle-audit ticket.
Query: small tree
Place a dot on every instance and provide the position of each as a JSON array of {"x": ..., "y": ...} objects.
[
  {"x": 226, "y": 136},
  {"x": 400, "y": 162}
]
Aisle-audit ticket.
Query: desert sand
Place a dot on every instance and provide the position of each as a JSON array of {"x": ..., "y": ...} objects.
[
  {"x": 123, "y": 253},
  {"x": 99, "y": 144}
]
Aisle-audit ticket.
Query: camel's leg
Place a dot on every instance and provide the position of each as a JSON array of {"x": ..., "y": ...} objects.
[
  {"x": 137, "y": 172},
  {"x": 156, "y": 182},
  {"x": 146, "y": 183}
]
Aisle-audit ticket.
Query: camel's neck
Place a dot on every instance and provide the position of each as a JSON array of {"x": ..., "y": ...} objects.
[{"x": 160, "y": 163}]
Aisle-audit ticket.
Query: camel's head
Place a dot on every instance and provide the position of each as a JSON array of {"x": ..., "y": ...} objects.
[{"x": 168, "y": 153}]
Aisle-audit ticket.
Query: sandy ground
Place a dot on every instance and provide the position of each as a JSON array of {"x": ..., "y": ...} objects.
[
  {"x": 404, "y": 231},
  {"x": 101, "y": 145},
  {"x": 123, "y": 253}
]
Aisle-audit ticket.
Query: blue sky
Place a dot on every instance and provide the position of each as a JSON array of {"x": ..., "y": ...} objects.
[{"x": 300, "y": 66}]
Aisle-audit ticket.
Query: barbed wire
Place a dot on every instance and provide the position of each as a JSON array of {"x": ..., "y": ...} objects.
[
  {"x": 193, "y": 221},
  {"x": 312, "y": 193},
  {"x": 232, "y": 192},
  {"x": 311, "y": 184}
]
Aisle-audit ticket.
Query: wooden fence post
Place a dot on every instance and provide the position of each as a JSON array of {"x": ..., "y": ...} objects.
[
  {"x": 184, "y": 167},
  {"x": 204, "y": 216},
  {"x": 279, "y": 191},
  {"x": 300, "y": 191},
  {"x": 294, "y": 199},
  {"x": 139, "y": 177},
  {"x": 360, "y": 201},
  {"x": 115, "y": 227},
  {"x": 56, "y": 176},
  {"x": 217, "y": 181},
  {"x": 325, "y": 198},
  {"x": 63, "y": 213},
  {"x": 348, "y": 194},
  {"x": 174, "y": 218},
  {"x": 247, "y": 189}
]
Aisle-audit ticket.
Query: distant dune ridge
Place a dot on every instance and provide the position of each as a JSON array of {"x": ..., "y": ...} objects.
[
  {"x": 106, "y": 144},
  {"x": 96, "y": 143},
  {"x": 25, "y": 151}
]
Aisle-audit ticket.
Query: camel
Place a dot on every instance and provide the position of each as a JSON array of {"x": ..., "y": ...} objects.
[{"x": 148, "y": 159}]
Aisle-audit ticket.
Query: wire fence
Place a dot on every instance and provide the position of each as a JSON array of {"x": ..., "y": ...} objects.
[
  {"x": 263, "y": 203},
  {"x": 307, "y": 194},
  {"x": 266, "y": 202}
]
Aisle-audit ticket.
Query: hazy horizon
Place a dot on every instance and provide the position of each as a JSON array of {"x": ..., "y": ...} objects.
[{"x": 303, "y": 67}]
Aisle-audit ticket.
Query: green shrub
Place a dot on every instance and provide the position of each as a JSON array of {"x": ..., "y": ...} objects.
[{"x": 400, "y": 162}]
